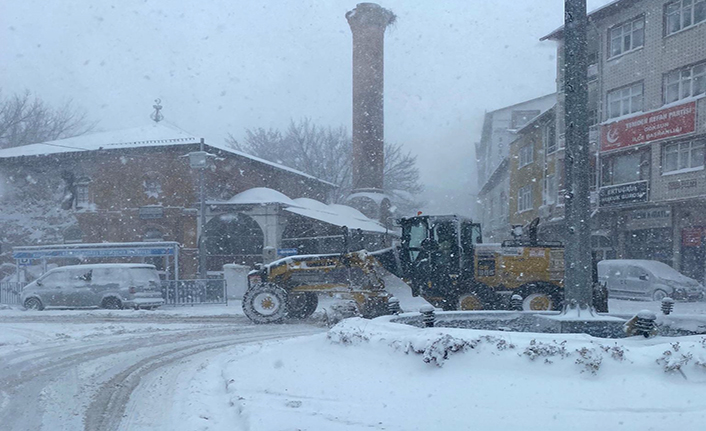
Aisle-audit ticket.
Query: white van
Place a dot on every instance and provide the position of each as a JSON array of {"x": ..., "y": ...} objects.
[
  {"x": 646, "y": 280},
  {"x": 112, "y": 286}
]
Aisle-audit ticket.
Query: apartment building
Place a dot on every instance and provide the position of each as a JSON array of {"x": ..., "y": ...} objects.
[
  {"x": 500, "y": 129},
  {"x": 647, "y": 106}
]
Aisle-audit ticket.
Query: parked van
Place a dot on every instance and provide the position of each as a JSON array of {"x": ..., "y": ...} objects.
[
  {"x": 647, "y": 280},
  {"x": 112, "y": 286}
]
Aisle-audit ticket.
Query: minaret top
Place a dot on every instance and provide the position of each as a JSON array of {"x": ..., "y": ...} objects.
[{"x": 370, "y": 15}]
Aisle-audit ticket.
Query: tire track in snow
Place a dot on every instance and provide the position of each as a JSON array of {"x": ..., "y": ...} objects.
[
  {"x": 52, "y": 386},
  {"x": 106, "y": 412}
]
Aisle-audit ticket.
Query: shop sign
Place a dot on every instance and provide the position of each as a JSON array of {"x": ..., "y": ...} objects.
[
  {"x": 649, "y": 218},
  {"x": 681, "y": 184},
  {"x": 665, "y": 123},
  {"x": 151, "y": 213},
  {"x": 623, "y": 194}
]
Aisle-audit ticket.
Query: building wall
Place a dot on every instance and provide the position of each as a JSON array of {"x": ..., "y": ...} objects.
[
  {"x": 494, "y": 218},
  {"x": 499, "y": 131},
  {"x": 132, "y": 192},
  {"x": 529, "y": 175},
  {"x": 667, "y": 224}
]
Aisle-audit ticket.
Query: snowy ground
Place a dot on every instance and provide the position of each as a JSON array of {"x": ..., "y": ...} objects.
[{"x": 207, "y": 368}]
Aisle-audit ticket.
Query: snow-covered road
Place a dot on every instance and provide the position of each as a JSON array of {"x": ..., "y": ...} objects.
[
  {"x": 76, "y": 370},
  {"x": 209, "y": 369}
]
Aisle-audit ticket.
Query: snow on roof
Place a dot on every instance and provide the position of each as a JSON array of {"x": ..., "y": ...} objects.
[
  {"x": 261, "y": 195},
  {"x": 337, "y": 215},
  {"x": 148, "y": 136},
  {"x": 153, "y": 135}
]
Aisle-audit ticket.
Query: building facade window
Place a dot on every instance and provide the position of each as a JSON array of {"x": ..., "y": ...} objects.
[
  {"x": 549, "y": 196},
  {"x": 152, "y": 185},
  {"x": 153, "y": 235},
  {"x": 625, "y": 168},
  {"x": 685, "y": 82},
  {"x": 682, "y": 14},
  {"x": 524, "y": 199},
  {"x": 549, "y": 137},
  {"x": 627, "y": 36},
  {"x": 683, "y": 156},
  {"x": 82, "y": 197},
  {"x": 625, "y": 100},
  {"x": 526, "y": 155}
]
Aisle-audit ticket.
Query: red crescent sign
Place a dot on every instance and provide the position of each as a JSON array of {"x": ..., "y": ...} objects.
[{"x": 665, "y": 123}]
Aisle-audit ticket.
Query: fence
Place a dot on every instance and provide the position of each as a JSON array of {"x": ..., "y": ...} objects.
[
  {"x": 10, "y": 292},
  {"x": 192, "y": 292},
  {"x": 175, "y": 292}
]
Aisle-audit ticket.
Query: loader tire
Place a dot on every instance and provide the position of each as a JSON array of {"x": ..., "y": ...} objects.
[
  {"x": 478, "y": 297},
  {"x": 302, "y": 305},
  {"x": 541, "y": 296},
  {"x": 266, "y": 303}
]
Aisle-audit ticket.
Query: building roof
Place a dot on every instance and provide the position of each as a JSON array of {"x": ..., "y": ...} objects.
[
  {"x": 531, "y": 124},
  {"x": 524, "y": 102},
  {"x": 153, "y": 135},
  {"x": 596, "y": 14},
  {"x": 496, "y": 176}
]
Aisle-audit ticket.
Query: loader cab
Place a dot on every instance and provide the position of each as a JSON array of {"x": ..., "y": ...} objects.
[{"x": 436, "y": 249}]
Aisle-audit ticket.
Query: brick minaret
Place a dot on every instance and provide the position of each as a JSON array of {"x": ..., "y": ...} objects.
[{"x": 368, "y": 22}]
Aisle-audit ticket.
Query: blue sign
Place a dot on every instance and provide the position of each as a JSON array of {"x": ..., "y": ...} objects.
[
  {"x": 287, "y": 251},
  {"x": 86, "y": 252},
  {"x": 24, "y": 262}
]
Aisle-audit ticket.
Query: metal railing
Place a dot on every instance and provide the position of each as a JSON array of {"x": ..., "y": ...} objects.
[
  {"x": 193, "y": 292},
  {"x": 10, "y": 292}
]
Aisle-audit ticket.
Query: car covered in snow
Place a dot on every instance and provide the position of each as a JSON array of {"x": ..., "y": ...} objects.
[
  {"x": 646, "y": 280},
  {"x": 112, "y": 286}
]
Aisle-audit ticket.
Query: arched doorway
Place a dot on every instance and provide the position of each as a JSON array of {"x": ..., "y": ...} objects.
[{"x": 232, "y": 238}]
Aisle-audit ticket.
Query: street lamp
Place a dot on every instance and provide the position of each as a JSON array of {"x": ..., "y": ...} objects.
[{"x": 199, "y": 160}]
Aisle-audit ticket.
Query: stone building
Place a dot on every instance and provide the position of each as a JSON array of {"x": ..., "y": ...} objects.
[
  {"x": 647, "y": 82},
  {"x": 137, "y": 185}
]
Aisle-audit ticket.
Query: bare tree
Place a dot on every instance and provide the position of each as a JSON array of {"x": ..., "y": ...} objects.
[
  {"x": 25, "y": 119},
  {"x": 325, "y": 153}
]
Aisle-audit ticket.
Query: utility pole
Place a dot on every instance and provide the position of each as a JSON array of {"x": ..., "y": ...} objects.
[
  {"x": 577, "y": 258},
  {"x": 199, "y": 160}
]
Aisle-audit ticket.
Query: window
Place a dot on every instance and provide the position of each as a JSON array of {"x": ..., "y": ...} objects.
[
  {"x": 153, "y": 235},
  {"x": 593, "y": 102},
  {"x": 549, "y": 197},
  {"x": 626, "y": 168},
  {"x": 685, "y": 82},
  {"x": 549, "y": 137},
  {"x": 681, "y": 14},
  {"x": 626, "y": 37},
  {"x": 152, "y": 185},
  {"x": 521, "y": 118},
  {"x": 625, "y": 100},
  {"x": 524, "y": 199},
  {"x": 82, "y": 195},
  {"x": 683, "y": 155},
  {"x": 526, "y": 155}
]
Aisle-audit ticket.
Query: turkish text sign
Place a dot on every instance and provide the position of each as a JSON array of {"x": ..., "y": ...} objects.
[{"x": 665, "y": 123}]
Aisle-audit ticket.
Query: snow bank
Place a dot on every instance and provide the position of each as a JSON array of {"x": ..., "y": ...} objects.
[{"x": 373, "y": 374}]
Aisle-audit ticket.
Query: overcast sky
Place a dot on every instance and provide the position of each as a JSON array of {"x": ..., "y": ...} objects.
[{"x": 222, "y": 66}]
